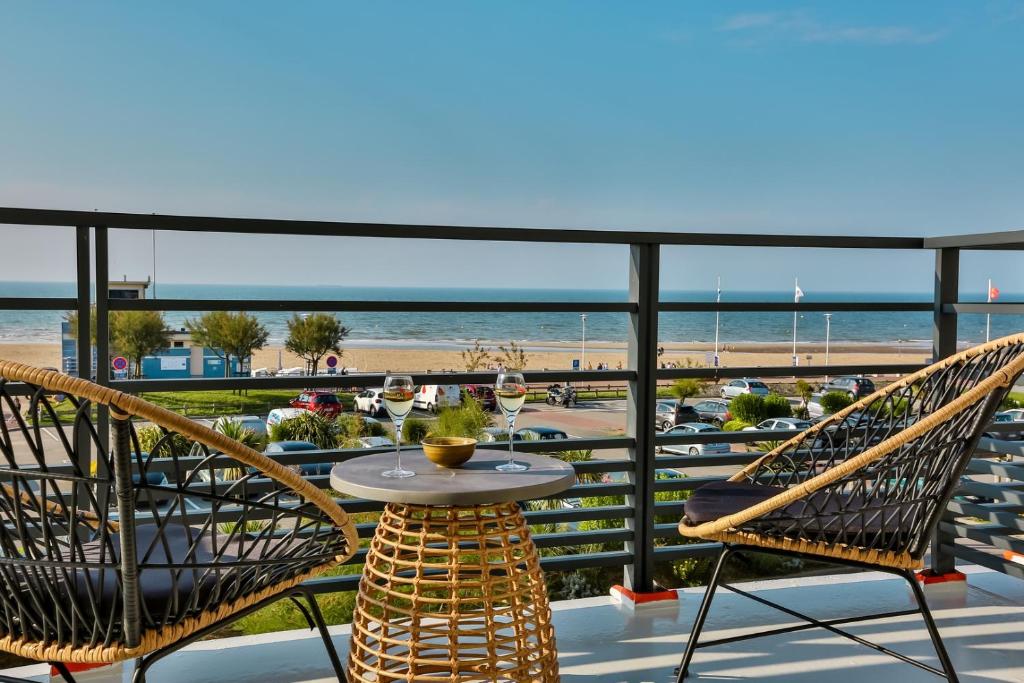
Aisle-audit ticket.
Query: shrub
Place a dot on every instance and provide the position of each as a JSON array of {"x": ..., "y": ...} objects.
[
  {"x": 890, "y": 407},
  {"x": 804, "y": 390},
  {"x": 245, "y": 436},
  {"x": 834, "y": 401},
  {"x": 307, "y": 426},
  {"x": 414, "y": 429},
  {"x": 468, "y": 419},
  {"x": 736, "y": 426},
  {"x": 150, "y": 436},
  {"x": 777, "y": 406},
  {"x": 748, "y": 407},
  {"x": 1008, "y": 403},
  {"x": 686, "y": 388}
]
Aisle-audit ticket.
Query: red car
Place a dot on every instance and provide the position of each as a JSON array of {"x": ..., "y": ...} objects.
[
  {"x": 484, "y": 395},
  {"x": 324, "y": 402}
]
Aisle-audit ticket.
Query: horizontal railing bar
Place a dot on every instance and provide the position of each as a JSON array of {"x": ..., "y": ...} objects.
[
  {"x": 583, "y": 514},
  {"x": 1009, "y": 239},
  {"x": 720, "y": 373},
  {"x": 994, "y": 491},
  {"x": 789, "y": 306},
  {"x": 564, "y": 563},
  {"x": 1008, "y": 516},
  {"x": 1001, "y": 469},
  {"x": 683, "y": 484},
  {"x": 667, "y": 553},
  {"x": 666, "y": 439},
  {"x": 38, "y": 303},
  {"x": 360, "y": 380},
  {"x": 574, "y": 538},
  {"x": 371, "y": 306},
  {"x": 989, "y": 534},
  {"x": 262, "y": 226},
  {"x": 1007, "y": 308},
  {"x": 682, "y": 462},
  {"x": 667, "y": 531},
  {"x": 983, "y": 559}
]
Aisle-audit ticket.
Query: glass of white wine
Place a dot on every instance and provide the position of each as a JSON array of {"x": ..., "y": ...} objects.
[
  {"x": 398, "y": 395},
  {"x": 510, "y": 390}
]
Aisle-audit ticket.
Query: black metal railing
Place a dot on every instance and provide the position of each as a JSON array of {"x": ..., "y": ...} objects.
[{"x": 632, "y": 484}]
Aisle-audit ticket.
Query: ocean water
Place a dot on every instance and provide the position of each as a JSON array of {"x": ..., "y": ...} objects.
[{"x": 457, "y": 329}]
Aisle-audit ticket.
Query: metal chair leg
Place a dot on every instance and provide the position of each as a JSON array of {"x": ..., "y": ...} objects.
[
  {"x": 933, "y": 630},
  {"x": 321, "y": 625},
  {"x": 702, "y": 614}
]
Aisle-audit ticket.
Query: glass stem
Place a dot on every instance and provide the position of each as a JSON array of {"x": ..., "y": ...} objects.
[
  {"x": 398, "y": 446},
  {"x": 511, "y": 432}
]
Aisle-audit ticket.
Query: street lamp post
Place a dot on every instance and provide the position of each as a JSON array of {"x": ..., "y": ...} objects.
[
  {"x": 583, "y": 342},
  {"x": 828, "y": 330}
]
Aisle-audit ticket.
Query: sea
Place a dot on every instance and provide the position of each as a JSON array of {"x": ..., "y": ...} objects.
[{"x": 448, "y": 330}]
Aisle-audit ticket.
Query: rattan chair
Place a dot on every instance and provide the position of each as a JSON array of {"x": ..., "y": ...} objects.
[
  {"x": 115, "y": 554},
  {"x": 865, "y": 487}
]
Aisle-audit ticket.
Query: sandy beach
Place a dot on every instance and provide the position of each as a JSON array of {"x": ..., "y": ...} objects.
[{"x": 552, "y": 356}]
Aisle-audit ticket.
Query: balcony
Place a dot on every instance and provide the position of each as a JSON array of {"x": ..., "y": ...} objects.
[
  {"x": 597, "y": 640},
  {"x": 602, "y": 642}
]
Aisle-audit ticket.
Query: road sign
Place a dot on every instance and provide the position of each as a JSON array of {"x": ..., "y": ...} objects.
[
  {"x": 120, "y": 363},
  {"x": 332, "y": 361},
  {"x": 575, "y": 363}
]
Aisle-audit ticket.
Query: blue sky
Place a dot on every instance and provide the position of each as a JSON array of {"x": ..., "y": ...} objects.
[{"x": 871, "y": 117}]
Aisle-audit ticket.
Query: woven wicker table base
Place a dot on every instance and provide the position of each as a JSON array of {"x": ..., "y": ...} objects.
[{"x": 452, "y": 594}]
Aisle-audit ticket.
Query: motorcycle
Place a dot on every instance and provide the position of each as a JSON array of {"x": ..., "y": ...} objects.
[{"x": 561, "y": 396}]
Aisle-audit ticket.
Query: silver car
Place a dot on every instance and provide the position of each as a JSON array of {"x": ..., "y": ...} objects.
[
  {"x": 746, "y": 385},
  {"x": 695, "y": 448}
]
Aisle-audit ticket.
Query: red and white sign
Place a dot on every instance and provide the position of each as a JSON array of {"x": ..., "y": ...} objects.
[
  {"x": 120, "y": 363},
  {"x": 332, "y": 361}
]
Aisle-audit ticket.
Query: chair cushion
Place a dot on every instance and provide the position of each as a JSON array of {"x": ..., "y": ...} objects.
[
  {"x": 178, "y": 545},
  {"x": 721, "y": 498}
]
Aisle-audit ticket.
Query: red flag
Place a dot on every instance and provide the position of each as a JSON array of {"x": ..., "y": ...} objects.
[{"x": 993, "y": 293}]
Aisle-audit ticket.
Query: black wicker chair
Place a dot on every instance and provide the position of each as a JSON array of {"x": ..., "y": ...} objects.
[
  {"x": 114, "y": 554},
  {"x": 865, "y": 487}
]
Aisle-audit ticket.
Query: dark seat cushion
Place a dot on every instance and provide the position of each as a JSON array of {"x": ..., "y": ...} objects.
[
  {"x": 825, "y": 515},
  {"x": 721, "y": 498},
  {"x": 178, "y": 545}
]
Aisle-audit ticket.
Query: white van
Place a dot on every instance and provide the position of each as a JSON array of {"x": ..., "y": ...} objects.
[
  {"x": 431, "y": 397},
  {"x": 279, "y": 415}
]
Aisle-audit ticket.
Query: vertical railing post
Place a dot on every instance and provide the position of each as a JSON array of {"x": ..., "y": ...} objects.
[
  {"x": 83, "y": 352},
  {"x": 642, "y": 355},
  {"x": 102, "y": 294},
  {"x": 944, "y": 332}
]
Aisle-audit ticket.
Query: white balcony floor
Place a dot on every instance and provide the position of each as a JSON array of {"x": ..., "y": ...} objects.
[{"x": 601, "y": 642}]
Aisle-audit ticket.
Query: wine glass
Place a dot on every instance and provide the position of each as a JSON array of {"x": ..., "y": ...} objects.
[
  {"x": 398, "y": 394},
  {"x": 510, "y": 390}
]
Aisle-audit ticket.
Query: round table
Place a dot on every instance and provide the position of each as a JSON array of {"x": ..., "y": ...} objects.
[{"x": 452, "y": 588}]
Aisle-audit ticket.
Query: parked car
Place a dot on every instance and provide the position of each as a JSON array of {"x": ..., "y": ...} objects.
[
  {"x": 853, "y": 386},
  {"x": 324, "y": 402},
  {"x": 370, "y": 401},
  {"x": 432, "y": 397},
  {"x": 279, "y": 415},
  {"x": 375, "y": 441},
  {"x": 254, "y": 423},
  {"x": 1002, "y": 418},
  {"x": 713, "y": 411},
  {"x": 695, "y": 448},
  {"x": 746, "y": 385},
  {"x": 490, "y": 434},
  {"x": 484, "y": 395},
  {"x": 668, "y": 414},
  {"x": 779, "y": 423},
  {"x": 291, "y": 372},
  {"x": 541, "y": 433},
  {"x": 308, "y": 469},
  {"x": 1017, "y": 414}
]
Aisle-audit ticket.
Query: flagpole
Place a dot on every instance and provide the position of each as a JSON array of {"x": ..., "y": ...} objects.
[
  {"x": 796, "y": 299},
  {"x": 718, "y": 300},
  {"x": 988, "y": 316}
]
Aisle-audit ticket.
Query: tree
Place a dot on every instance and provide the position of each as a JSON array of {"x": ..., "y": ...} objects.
[
  {"x": 72, "y": 318},
  {"x": 687, "y": 388},
  {"x": 310, "y": 337},
  {"x": 512, "y": 356},
  {"x": 137, "y": 334},
  {"x": 228, "y": 334},
  {"x": 476, "y": 356}
]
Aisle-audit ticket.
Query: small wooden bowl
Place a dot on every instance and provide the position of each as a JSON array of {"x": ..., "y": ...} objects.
[{"x": 448, "y": 451}]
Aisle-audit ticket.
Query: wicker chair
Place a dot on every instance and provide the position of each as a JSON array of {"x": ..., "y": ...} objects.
[
  {"x": 865, "y": 487},
  {"x": 108, "y": 555}
]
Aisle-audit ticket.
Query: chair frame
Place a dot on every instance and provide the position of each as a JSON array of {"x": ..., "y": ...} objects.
[
  {"x": 747, "y": 530},
  {"x": 301, "y": 529}
]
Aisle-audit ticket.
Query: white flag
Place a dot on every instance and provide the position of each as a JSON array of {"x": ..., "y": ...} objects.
[{"x": 799, "y": 294}]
